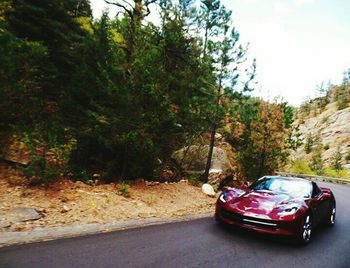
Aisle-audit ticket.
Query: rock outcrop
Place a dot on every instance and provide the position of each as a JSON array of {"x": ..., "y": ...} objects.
[
  {"x": 192, "y": 160},
  {"x": 333, "y": 128}
]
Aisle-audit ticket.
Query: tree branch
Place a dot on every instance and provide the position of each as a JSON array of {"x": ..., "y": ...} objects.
[
  {"x": 126, "y": 2},
  {"x": 130, "y": 13},
  {"x": 148, "y": 2}
]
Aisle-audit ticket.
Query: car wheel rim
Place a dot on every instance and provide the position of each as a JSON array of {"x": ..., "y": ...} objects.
[
  {"x": 307, "y": 229},
  {"x": 333, "y": 216}
]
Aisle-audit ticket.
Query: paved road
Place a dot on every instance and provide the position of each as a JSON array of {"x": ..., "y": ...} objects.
[{"x": 198, "y": 243}]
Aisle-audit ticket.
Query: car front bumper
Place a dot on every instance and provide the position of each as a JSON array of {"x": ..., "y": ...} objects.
[{"x": 290, "y": 227}]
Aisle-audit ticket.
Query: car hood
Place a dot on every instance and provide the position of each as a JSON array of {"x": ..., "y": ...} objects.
[{"x": 262, "y": 204}]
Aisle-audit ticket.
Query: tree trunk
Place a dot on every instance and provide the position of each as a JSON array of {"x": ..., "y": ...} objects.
[
  {"x": 210, "y": 152},
  {"x": 136, "y": 17},
  {"x": 205, "y": 176}
]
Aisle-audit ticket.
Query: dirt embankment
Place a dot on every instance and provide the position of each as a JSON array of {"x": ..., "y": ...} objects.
[{"x": 74, "y": 203}]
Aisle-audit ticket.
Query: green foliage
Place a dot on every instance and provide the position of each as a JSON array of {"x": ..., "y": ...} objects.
[
  {"x": 294, "y": 139},
  {"x": 301, "y": 167},
  {"x": 308, "y": 144},
  {"x": 60, "y": 33},
  {"x": 258, "y": 133},
  {"x": 342, "y": 104},
  {"x": 342, "y": 92},
  {"x": 326, "y": 147},
  {"x": 312, "y": 142},
  {"x": 347, "y": 156},
  {"x": 80, "y": 174},
  {"x": 119, "y": 95},
  {"x": 38, "y": 172},
  {"x": 337, "y": 160},
  {"x": 317, "y": 162},
  {"x": 124, "y": 189},
  {"x": 48, "y": 157},
  {"x": 288, "y": 115},
  {"x": 342, "y": 173},
  {"x": 195, "y": 179}
]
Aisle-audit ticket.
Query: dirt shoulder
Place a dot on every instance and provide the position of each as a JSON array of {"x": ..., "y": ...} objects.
[{"x": 68, "y": 203}]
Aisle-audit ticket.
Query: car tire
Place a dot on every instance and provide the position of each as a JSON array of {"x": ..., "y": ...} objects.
[
  {"x": 331, "y": 216},
  {"x": 306, "y": 232}
]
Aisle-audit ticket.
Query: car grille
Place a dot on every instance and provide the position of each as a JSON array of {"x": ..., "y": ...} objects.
[{"x": 256, "y": 222}]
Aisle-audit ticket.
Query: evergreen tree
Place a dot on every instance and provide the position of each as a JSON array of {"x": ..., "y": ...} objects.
[
  {"x": 54, "y": 24},
  {"x": 308, "y": 144},
  {"x": 259, "y": 135},
  {"x": 225, "y": 55},
  {"x": 118, "y": 96},
  {"x": 317, "y": 162},
  {"x": 337, "y": 160}
]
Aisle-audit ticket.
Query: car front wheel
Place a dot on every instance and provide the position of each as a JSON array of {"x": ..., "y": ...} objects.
[{"x": 306, "y": 232}]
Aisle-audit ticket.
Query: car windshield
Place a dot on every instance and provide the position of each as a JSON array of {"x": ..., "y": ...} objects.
[{"x": 294, "y": 188}]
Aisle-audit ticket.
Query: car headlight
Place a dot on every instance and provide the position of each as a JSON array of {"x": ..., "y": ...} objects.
[
  {"x": 230, "y": 194},
  {"x": 289, "y": 209},
  {"x": 226, "y": 196},
  {"x": 223, "y": 197}
]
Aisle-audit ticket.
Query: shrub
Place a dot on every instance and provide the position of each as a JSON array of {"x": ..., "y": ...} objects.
[
  {"x": 308, "y": 144},
  {"x": 329, "y": 172},
  {"x": 80, "y": 174},
  {"x": 326, "y": 147},
  {"x": 347, "y": 156},
  {"x": 317, "y": 162},
  {"x": 336, "y": 160},
  {"x": 341, "y": 105},
  {"x": 195, "y": 179},
  {"x": 38, "y": 171},
  {"x": 124, "y": 189},
  {"x": 301, "y": 167}
]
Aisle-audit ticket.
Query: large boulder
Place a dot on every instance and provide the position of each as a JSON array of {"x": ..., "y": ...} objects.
[
  {"x": 193, "y": 159},
  {"x": 208, "y": 190}
]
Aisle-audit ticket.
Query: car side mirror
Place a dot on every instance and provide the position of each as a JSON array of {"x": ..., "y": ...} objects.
[
  {"x": 315, "y": 195},
  {"x": 318, "y": 196}
]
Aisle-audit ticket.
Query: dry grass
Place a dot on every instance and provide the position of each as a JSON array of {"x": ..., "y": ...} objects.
[{"x": 101, "y": 203}]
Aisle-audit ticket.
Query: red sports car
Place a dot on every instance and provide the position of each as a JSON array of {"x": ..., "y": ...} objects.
[{"x": 278, "y": 205}]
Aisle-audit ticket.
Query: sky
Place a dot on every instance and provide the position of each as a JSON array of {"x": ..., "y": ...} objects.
[{"x": 298, "y": 44}]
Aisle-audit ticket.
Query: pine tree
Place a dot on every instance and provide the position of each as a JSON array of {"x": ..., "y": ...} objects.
[
  {"x": 223, "y": 56},
  {"x": 259, "y": 135},
  {"x": 317, "y": 162},
  {"x": 308, "y": 144},
  {"x": 55, "y": 25},
  {"x": 337, "y": 160}
]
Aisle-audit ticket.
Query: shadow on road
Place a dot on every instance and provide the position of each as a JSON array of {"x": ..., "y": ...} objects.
[{"x": 235, "y": 233}]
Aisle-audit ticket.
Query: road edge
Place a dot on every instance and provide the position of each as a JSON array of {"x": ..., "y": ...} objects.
[{"x": 52, "y": 233}]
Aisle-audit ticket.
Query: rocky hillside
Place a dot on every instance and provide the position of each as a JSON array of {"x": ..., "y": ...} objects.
[{"x": 326, "y": 124}]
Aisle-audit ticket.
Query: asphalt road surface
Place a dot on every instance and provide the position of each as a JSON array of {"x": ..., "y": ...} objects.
[{"x": 198, "y": 243}]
